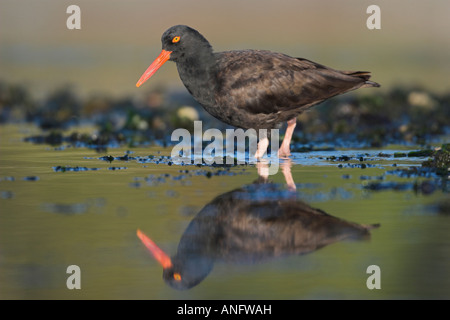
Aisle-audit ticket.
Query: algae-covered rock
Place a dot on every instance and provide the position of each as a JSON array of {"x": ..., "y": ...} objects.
[
  {"x": 440, "y": 159},
  {"x": 421, "y": 153}
]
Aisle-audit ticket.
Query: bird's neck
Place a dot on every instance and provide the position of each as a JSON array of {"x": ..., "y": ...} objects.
[{"x": 197, "y": 72}]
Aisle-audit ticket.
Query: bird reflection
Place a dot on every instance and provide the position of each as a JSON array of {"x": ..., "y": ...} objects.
[{"x": 256, "y": 222}]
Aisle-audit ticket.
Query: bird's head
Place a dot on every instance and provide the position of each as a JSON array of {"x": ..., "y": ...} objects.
[
  {"x": 179, "y": 273},
  {"x": 178, "y": 43}
]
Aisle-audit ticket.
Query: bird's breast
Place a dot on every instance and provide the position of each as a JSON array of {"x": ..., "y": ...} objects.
[{"x": 199, "y": 81}]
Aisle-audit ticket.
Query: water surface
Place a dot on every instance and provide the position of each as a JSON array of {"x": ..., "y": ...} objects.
[{"x": 87, "y": 215}]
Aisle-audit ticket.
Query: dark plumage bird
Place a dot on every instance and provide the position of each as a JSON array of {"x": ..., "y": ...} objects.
[
  {"x": 252, "y": 88},
  {"x": 251, "y": 224}
]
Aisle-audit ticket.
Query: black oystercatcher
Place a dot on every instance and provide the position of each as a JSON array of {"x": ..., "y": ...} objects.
[
  {"x": 258, "y": 222},
  {"x": 252, "y": 88}
]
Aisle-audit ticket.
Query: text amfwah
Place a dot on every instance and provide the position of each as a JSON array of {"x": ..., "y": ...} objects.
[
  {"x": 226, "y": 309},
  {"x": 246, "y": 309}
]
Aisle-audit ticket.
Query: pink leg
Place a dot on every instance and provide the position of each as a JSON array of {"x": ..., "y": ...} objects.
[
  {"x": 263, "y": 170},
  {"x": 263, "y": 144},
  {"x": 286, "y": 167},
  {"x": 285, "y": 150}
]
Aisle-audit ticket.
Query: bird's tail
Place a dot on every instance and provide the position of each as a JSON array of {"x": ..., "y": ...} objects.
[{"x": 364, "y": 75}]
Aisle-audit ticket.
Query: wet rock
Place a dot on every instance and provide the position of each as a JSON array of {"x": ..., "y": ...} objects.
[
  {"x": 384, "y": 155},
  {"x": 399, "y": 155},
  {"x": 364, "y": 177},
  {"x": 53, "y": 138},
  {"x": 412, "y": 172},
  {"x": 379, "y": 186},
  {"x": 123, "y": 158},
  {"x": 421, "y": 153},
  {"x": 356, "y": 165},
  {"x": 73, "y": 169},
  {"x": 440, "y": 160},
  {"x": 31, "y": 178},
  {"x": 107, "y": 158}
]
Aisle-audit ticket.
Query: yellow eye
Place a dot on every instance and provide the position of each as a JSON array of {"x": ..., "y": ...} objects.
[
  {"x": 177, "y": 276},
  {"x": 175, "y": 39}
]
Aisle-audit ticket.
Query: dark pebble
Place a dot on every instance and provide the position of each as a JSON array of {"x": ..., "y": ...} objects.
[{"x": 31, "y": 178}]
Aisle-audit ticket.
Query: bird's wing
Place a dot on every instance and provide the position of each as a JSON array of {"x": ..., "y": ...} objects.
[{"x": 268, "y": 82}]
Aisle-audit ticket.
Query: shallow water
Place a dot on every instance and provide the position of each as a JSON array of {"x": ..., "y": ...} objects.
[{"x": 68, "y": 206}]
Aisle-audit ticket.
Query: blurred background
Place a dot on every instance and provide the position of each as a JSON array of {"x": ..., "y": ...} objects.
[
  {"x": 55, "y": 77},
  {"x": 119, "y": 39}
]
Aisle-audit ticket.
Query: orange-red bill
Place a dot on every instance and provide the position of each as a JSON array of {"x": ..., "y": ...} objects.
[
  {"x": 159, "y": 255},
  {"x": 159, "y": 61}
]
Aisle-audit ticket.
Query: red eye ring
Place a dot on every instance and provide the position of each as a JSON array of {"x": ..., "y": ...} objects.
[{"x": 175, "y": 39}]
